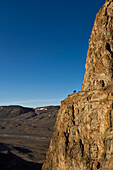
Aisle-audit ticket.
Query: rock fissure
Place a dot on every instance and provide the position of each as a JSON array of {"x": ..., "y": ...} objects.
[
  {"x": 82, "y": 147},
  {"x": 110, "y": 120},
  {"x": 109, "y": 49},
  {"x": 67, "y": 139},
  {"x": 73, "y": 116}
]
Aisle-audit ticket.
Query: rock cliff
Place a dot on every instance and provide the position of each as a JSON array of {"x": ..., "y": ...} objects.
[{"x": 83, "y": 133}]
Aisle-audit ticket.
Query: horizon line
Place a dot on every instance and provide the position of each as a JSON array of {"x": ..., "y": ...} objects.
[{"x": 30, "y": 101}]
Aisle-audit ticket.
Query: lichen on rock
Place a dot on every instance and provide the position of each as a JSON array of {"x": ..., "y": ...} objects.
[{"x": 83, "y": 133}]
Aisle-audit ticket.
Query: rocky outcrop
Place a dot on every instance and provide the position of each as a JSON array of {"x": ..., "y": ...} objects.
[
  {"x": 99, "y": 64},
  {"x": 83, "y": 133}
]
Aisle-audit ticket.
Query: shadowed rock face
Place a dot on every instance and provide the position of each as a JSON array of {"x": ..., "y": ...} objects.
[
  {"x": 109, "y": 0},
  {"x": 83, "y": 133}
]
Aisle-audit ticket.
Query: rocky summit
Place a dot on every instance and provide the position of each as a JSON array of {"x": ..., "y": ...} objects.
[{"x": 83, "y": 133}]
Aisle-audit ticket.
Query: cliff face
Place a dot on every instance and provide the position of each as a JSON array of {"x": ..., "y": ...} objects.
[
  {"x": 83, "y": 133},
  {"x": 99, "y": 64}
]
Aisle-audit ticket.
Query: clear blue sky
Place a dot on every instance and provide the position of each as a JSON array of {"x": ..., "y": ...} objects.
[{"x": 43, "y": 49}]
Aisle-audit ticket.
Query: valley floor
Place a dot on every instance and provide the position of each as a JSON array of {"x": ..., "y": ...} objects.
[{"x": 25, "y": 138}]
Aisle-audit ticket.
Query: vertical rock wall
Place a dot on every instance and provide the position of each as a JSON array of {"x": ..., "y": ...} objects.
[
  {"x": 83, "y": 133},
  {"x": 99, "y": 64}
]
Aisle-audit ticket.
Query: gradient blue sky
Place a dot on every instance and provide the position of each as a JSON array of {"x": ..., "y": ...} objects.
[{"x": 43, "y": 49}]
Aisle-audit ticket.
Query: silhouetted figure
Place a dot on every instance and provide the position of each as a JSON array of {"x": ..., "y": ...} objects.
[{"x": 74, "y": 91}]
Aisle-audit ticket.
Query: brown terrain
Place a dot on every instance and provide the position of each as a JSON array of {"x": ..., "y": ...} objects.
[
  {"x": 25, "y": 136},
  {"x": 83, "y": 133}
]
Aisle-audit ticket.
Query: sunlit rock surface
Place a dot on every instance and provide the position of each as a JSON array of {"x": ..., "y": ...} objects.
[{"x": 83, "y": 133}]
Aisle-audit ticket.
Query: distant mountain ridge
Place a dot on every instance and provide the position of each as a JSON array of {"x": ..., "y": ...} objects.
[{"x": 13, "y": 111}]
